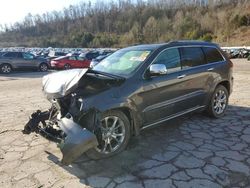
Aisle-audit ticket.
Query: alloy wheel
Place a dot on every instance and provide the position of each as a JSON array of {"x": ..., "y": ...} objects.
[
  {"x": 67, "y": 66},
  {"x": 113, "y": 134},
  {"x": 6, "y": 69},
  {"x": 219, "y": 102},
  {"x": 43, "y": 67}
]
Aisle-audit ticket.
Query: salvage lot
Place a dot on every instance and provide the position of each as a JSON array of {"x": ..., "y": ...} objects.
[{"x": 193, "y": 151}]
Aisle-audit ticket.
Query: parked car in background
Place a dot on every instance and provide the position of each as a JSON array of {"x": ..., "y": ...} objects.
[
  {"x": 68, "y": 62},
  {"x": 98, "y": 59},
  {"x": 133, "y": 89},
  {"x": 244, "y": 53},
  {"x": 52, "y": 55},
  {"x": 10, "y": 61},
  {"x": 90, "y": 55},
  {"x": 237, "y": 52},
  {"x": 1, "y": 53}
]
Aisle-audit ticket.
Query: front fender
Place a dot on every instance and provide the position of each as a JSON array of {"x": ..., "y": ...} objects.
[{"x": 127, "y": 106}]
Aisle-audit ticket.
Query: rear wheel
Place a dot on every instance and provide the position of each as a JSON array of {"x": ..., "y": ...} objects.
[
  {"x": 5, "y": 68},
  {"x": 115, "y": 130},
  {"x": 219, "y": 102},
  {"x": 43, "y": 67},
  {"x": 67, "y": 66}
]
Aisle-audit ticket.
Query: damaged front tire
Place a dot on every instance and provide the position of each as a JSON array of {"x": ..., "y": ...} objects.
[{"x": 115, "y": 130}]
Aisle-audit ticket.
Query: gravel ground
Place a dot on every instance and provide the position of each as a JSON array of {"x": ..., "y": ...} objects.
[{"x": 193, "y": 151}]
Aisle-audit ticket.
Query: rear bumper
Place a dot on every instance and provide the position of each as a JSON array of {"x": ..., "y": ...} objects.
[
  {"x": 72, "y": 139},
  {"x": 56, "y": 67}
]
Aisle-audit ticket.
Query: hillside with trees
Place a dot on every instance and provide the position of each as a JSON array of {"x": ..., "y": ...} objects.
[{"x": 125, "y": 22}]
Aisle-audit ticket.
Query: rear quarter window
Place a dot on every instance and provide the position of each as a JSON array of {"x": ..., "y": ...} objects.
[
  {"x": 19, "y": 55},
  {"x": 72, "y": 58},
  {"x": 10, "y": 54},
  {"x": 212, "y": 55}
]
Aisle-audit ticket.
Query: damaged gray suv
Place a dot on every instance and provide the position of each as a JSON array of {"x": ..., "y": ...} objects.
[{"x": 98, "y": 110}]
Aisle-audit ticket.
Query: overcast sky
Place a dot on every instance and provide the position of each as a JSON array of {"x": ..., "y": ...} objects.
[{"x": 15, "y": 10}]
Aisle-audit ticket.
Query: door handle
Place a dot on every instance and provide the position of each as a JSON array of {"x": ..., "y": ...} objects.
[
  {"x": 181, "y": 76},
  {"x": 210, "y": 69}
]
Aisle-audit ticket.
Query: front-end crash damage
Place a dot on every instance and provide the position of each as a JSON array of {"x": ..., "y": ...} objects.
[
  {"x": 74, "y": 128},
  {"x": 73, "y": 140}
]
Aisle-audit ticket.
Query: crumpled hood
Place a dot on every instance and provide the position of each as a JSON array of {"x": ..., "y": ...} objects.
[{"x": 59, "y": 84}]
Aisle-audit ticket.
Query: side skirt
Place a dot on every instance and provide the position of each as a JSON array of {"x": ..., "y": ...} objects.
[{"x": 173, "y": 116}]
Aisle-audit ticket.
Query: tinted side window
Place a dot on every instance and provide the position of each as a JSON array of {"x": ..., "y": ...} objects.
[
  {"x": 59, "y": 54},
  {"x": 79, "y": 58},
  {"x": 10, "y": 54},
  {"x": 72, "y": 58},
  {"x": 191, "y": 57},
  {"x": 19, "y": 55},
  {"x": 170, "y": 58},
  {"x": 212, "y": 55},
  {"x": 28, "y": 56},
  {"x": 92, "y": 55}
]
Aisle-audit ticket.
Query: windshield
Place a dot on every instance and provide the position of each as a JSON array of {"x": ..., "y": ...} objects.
[{"x": 122, "y": 62}]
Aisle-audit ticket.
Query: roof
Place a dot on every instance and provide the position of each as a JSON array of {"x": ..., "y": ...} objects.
[
  {"x": 192, "y": 42},
  {"x": 170, "y": 44},
  {"x": 145, "y": 46}
]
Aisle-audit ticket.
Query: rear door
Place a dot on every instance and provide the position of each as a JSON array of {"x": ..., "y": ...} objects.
[
  {"x": 28, "y": 61},
  {"x": 83, "y": 62},
  {"x": 217, "y": 66},
  {"x": 74, "y": 62},
  {"x": 195, "y": 74}
]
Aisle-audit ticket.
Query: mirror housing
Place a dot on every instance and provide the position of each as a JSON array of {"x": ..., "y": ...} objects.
[{"x": 157, "y": 69}]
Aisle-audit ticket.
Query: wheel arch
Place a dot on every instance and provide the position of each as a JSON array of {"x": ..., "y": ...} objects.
[
  {"x": 226, "y": 84},
  {"x": 133, "y": 119},
  {"x": 6, "y": 63},
  {"x": 43, "y": 63}
]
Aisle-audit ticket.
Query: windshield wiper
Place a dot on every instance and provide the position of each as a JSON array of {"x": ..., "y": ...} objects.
[{"x": 107, "y": 74}]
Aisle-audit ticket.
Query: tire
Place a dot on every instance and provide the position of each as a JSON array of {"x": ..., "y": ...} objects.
[
  {"x": 218, "y": 102},
  {"x": 122, "y": 127},
  {"x": 43, "y": 67},
  {"x": 5, "y": 68},
  {"x": 67, "y": 66}
]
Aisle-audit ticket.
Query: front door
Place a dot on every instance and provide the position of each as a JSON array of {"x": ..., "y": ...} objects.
[{"x": 161, "y": 93}]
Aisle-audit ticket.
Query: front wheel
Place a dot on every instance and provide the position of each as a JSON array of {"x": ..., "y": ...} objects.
[
  {"x": 219, "y": 102},
  {"x": 115, "y": 131}
]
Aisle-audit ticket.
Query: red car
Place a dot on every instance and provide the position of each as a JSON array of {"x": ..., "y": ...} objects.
[{"x": 68, "y": 62}]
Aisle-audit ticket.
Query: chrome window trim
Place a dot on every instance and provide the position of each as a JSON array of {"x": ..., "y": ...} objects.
[
  {"x": 224, "y": 59},
  {"x": 186, "y": 46}
]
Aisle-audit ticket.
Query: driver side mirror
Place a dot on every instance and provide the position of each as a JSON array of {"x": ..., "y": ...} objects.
[{"x": 157, "y": 69}]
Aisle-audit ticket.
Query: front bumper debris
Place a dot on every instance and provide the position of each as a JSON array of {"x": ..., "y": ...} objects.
[
  {"x": 72, "y": 139},
  {"x": 77, "y": 141}
]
